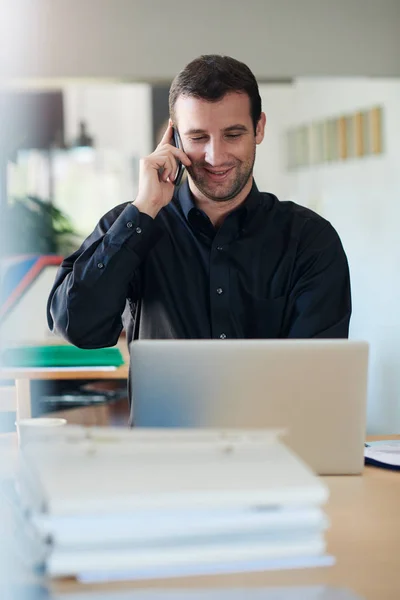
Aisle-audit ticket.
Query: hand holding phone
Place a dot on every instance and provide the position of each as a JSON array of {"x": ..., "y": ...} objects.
[{"x": 160, "y": 173}]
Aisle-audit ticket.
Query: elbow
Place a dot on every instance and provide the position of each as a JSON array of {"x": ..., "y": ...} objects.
[
  {"x": 89, "y": 336},
  {"x": 91, "y": 341},
  {"x": 81, "y": 325}
]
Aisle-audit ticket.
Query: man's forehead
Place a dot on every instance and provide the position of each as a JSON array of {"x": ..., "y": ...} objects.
[{"x": 197, "y": 113}]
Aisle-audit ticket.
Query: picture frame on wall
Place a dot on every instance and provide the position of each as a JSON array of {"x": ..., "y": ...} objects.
[
  {"x": 350, "y": 136},
  {"x": 316, "y": 137},
  {"x": 297, "y": 144},
  {"x": 366, "y": 130},
  {"x": 332, "y": 140},
  {"x": 376, "y": 129},
  {"x": 359, "y": 134},
  {"x": 302, "y": 147},
  {"x": 342, "y": 139}
]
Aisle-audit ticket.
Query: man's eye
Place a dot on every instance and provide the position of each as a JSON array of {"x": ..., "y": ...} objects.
[
  {"x": 233, "y": 135},
  {"x": 198, "y": 139}
]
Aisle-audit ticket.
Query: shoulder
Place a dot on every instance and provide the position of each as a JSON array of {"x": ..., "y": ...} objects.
[
  {"x": 290, "y": 211},
  {"x": 301, "y": 222}
]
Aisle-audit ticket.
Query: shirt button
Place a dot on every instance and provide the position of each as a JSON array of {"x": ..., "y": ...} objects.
[
  {"x": 223, "y": 336},
  {"x": 220, "y": 291},
  {"x": 129, "y": 224},
  {"x": 138, "y": 230},
  {"x": 100, "y": 265},
  {"x": 219, "y": 248}
]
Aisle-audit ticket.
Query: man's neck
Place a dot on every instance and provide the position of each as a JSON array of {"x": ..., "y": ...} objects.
[{"x": 218, "y": 211}]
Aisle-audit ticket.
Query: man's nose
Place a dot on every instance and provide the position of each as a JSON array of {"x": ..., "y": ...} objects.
[{"x": 214, "y": 153}]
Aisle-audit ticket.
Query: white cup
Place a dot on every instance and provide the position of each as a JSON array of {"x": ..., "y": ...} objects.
[{"x": 29, "y": 430}]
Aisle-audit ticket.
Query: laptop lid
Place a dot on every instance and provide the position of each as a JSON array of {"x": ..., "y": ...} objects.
[{"x": 316, "y": 389}]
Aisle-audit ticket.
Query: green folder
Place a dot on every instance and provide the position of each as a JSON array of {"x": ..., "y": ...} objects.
[{"x": 60, "y": 356}]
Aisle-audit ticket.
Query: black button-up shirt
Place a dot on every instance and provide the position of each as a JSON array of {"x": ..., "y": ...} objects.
[{"x": 272, "y": 270}]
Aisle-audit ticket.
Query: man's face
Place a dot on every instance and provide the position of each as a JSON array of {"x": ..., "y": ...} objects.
[{"x": 219, "y": 139}]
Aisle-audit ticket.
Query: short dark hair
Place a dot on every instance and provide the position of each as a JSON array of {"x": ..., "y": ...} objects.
[{"x": 211, "y": 77}]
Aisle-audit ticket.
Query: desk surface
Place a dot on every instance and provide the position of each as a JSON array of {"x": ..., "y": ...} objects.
[
  {"x": 10, "y": 373},
  {"x": 364, "y": 538}
]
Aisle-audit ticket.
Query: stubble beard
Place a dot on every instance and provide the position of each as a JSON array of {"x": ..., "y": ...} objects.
[{"x": 219, "y": 192}]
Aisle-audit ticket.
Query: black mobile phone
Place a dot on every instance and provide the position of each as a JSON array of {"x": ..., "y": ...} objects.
[{"x": 176, "y": 141}]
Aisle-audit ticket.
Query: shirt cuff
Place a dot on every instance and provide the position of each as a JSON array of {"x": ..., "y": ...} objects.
[{"x": 134, "y": 230}]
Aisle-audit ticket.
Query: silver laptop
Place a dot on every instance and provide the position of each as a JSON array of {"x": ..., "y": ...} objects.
[{"x": 316, "y": 390}]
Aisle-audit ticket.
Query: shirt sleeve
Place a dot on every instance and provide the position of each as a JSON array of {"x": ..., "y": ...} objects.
[
  {"x": 89, "y": 294},
  {"x": 320, "y": 298}
]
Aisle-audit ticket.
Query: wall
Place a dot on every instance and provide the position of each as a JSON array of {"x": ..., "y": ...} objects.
[
  {"x": 118, "y": 115},
  {"x": 151, "y": 40},
  {"x": 119, "y": 118},
  {"x": 269, "y": 169},
  {"x": 31, "y": 308},
  {"x": 360, "y": 197},
  {"x": 362, "y": 200}
]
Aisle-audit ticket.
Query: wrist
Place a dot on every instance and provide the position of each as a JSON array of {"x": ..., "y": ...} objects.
[{"x": 149, "y": 208}]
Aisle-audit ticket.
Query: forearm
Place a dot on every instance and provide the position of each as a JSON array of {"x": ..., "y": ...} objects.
[
  {"x": 90, "y": 291},
  {"x": 85, "y": 309}
]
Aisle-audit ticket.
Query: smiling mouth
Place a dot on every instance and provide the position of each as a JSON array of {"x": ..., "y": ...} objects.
[{"x": 217, "y": 175}]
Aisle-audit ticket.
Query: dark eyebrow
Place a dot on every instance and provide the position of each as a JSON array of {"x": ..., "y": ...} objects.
[
  {"x": 237, "y": 127},
  {"x": 194, "y": 131}
]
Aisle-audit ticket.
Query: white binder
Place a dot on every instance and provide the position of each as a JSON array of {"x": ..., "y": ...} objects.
[
  {"x": 166, "y": 502},
  {"x": 110, "y": 471}
]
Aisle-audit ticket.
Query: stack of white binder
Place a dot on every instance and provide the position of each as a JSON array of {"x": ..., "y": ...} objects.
[{"x": 128, "y": 504}]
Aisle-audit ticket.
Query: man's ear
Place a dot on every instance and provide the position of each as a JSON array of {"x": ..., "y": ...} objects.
[{"x": 260, "y": 129}]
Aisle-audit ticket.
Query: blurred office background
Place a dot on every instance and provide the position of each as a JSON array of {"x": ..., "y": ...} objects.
[{"x": 85, "y": 92}]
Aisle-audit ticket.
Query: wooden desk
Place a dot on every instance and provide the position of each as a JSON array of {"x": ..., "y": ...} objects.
[
  {"x": 364, "y": 538},
  {"x": 23, "y": 377}
]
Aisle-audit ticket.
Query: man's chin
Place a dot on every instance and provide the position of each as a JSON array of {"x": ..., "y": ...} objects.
[
  {"x": 217, "y": 192},
  {"x": 219, "y": 195}
]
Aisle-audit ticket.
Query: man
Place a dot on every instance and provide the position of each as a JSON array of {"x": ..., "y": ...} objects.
[{"x": 214, "y": 258}]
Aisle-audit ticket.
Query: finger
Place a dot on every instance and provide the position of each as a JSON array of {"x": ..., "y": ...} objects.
[
  {"x": 167, "y": 167},
  {"x": 180, "y": 155},
  {"x": 174, "y": 170},
  {"x": 161, "y": 160},
  {"x": 177, "y": 152},
  {"x": 167, "y": 137},
  {"x": 170, "y": 169}
]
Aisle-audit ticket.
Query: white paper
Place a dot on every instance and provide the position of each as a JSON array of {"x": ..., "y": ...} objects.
[
  {"x": 178, "y": 556},
  {"x": 385, "y": 452},
  {"x": 275, "y": 593},
  {"x": 304, "y": 562},
  {"x": 171, "y": 476},
  {"x": 150, "y": 526}
]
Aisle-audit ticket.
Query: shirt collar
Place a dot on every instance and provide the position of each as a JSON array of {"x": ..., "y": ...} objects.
[{"x": 185, "y": 199}]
